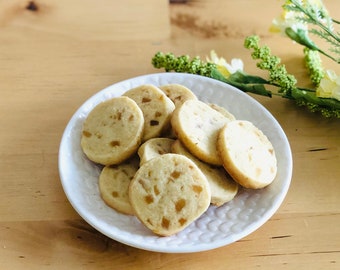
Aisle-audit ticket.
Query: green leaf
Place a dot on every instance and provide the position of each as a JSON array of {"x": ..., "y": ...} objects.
[
  {"x": 246, "y": 86},
  {"x": 311, "y": 97},
  {"x": 301, "y": 37},
  {"x": 242, "y": 77}
]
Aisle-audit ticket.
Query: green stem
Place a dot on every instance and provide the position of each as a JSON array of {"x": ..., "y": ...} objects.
[
  {"x": 330, "y": 57},
  {"x": 316, "y": 21}
]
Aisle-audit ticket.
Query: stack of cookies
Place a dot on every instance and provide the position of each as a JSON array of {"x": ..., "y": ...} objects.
[{"x": 168, "y": 156}]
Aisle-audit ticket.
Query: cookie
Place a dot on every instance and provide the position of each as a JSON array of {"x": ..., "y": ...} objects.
[
  {"x": 153, "y": 148},
  {"x": 168, "y": 193},
  {"x": 247, "y": 154},
  {"x": 197, "y": 125},
  {"x": 223, "y": 187},
  {"x": 223, "y": 111},
  {"x": 114, "y": 184},
  {"x": 156, "y": 107},
  {"x": 112, "y": 131},
  {"x": 177, "y": 93}
]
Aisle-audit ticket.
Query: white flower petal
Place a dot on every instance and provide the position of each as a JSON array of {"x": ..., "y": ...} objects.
[{"x": 235, "y": 64}]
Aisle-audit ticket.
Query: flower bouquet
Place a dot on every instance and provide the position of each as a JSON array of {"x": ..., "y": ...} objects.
[{"x": 299, "y": 20}]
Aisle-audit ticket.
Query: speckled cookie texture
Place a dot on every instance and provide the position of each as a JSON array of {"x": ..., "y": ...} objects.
[
  {"x": 168, "y": 193},
  {"x": 197, "y": 125},
  {"x": 223, "y": 187},
  {"x": 112, "y": 131},
  {"x": 153, "y": 148},
  {"x": 178, "y": 93},
  {"x": 168, "y": 156},
  {"x": 247, "y": 154},
  {"x": 157, "y": 109},
  {"x": 114, "y": 184}
]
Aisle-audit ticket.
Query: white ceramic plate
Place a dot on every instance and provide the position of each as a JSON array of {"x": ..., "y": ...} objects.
[{"x": 217, "y": 226}]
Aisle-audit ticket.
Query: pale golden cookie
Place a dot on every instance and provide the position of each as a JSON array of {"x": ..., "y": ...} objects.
[
  {"x": 223, "y": 111},
  {"x": 153, "y": 148},
  {"x": 168, "y": 193},
  {"x": 114, "y": 184},
  {"x": 247, "y": 154},
  {"x": 112, "y": 131},
  {"x": 197, "y": 125},
  {"x": 156, "y": 107},
  {"x": 177, "y": 93},
  {"x": 223, "y": 187}
]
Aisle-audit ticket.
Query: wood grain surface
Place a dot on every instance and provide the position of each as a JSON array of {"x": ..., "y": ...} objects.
[{"x": 56, "y": 54}]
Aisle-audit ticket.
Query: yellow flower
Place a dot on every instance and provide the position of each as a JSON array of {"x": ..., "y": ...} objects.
[
  {"x": 223, "y": 66},
  {"x": 290, "y": 19},
  {"x": 329, "y": 86},
  {"x": 287, "y": 19}
]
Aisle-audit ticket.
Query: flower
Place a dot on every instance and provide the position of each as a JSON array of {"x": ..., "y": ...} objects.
[
  {"x": 329, "y": 86},
  {"x": 223, "y": 66},
  {"x": 287, "y": 19},
  {"x": 299, "y": 18},
  {"x": 295, "y": 13},
  {"x": 290, "y": 24}
]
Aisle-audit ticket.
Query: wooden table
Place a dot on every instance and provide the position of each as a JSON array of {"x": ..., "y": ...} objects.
[{"x": 56, "y": 54}]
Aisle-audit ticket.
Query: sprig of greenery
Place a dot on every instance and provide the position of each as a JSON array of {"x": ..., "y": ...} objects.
[
  {"x": 278, "y": 77},
  {"x": 314, "y": 65},
  {"x": 328, "y": 107},
  {"x": 184, "y": 64},
  {"x": 299, "y": 19}
]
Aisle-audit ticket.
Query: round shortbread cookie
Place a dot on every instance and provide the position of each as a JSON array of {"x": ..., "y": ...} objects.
[
  {"x": 247, "y": 154},
  {"x": 223, "y": 111},
  {"x": 156, "y": 107},
  {"x": 168, "y": 193},
  {"x": 177, "y": 93},
  {"x": 112, "y": 131},
  {"x": 153, "y": 148},
  {"x": 223, "y": 187},
  {"x": 197, "y": 125},
  {"x": 114, "y": 184}
]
